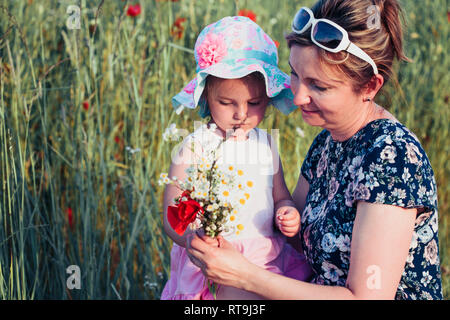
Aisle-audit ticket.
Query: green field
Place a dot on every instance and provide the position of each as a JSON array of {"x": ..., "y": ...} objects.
[{"x": 82, "y": 113}]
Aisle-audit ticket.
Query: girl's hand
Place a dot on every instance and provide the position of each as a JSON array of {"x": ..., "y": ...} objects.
[{"x": 287, "y": 220}]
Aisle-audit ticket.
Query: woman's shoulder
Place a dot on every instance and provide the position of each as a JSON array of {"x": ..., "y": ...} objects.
[
  {"x": 392, "y": 140},
  {"x": 387, "y": 130},
  {"x": 394, "y": 165}
]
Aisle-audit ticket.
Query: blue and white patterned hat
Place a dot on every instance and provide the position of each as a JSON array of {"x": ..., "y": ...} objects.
[{"x": 232, "y": 48}]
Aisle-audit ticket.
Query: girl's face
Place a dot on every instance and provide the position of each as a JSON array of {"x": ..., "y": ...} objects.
[
  {"x": 236, "y": 103},
  {"x": 324, "y": 101}
]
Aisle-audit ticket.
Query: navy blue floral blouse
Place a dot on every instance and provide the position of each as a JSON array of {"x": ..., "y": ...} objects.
[{"x": 382, "y": 163}]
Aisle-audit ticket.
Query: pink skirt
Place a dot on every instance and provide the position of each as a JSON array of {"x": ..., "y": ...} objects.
[{"x": 271, "y": 253}]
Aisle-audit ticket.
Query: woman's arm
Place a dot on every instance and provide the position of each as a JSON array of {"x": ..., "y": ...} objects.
[
  {"x": 380, "y": 243},
  {"x": 227, "y": 266},
  {"x": 382, "y": 235}
]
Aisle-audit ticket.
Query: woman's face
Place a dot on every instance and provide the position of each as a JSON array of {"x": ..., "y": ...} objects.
[
  {"x": 237, "y": 103},
  {"x": 325, "y": 99}
]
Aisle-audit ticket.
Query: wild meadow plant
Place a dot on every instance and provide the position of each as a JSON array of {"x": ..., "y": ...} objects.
[{"x": 85, "y": 97}]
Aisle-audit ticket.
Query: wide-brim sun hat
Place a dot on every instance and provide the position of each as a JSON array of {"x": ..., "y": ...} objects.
[{"x": 232, "y": 48}]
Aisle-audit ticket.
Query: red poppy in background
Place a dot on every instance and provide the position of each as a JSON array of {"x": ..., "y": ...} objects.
[
  {"x": 134, "y": 10},
  {"x": 70, "y": 216},
  {"x": 277, "y": 44},
  {"x": 86, "y": 105},
  {"x": 247, "y": 13},
  {"x": 178, "y": 28}
]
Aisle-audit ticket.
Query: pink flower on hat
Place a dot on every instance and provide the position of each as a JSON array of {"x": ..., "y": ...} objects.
[{"x": 212, "y": 50}]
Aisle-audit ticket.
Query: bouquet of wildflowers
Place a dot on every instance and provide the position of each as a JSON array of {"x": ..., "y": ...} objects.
[{"x": 211, "y": 196}]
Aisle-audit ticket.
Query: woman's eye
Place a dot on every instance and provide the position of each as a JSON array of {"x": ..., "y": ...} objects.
[{"x": 319, "y": 88}]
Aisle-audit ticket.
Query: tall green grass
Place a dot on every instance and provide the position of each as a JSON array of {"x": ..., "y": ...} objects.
[{"x": 55, "y": 155}]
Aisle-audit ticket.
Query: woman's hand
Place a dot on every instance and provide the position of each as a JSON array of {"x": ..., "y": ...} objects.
[
  {"x": 222, "y": 264},
  {"x": 288, "y": 220}
]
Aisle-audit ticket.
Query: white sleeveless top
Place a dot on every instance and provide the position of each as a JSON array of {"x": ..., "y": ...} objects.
[{"x": 259, "y": 162}]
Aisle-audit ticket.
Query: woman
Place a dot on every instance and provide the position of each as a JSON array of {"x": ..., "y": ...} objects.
[{"x": 366, "y": 189}]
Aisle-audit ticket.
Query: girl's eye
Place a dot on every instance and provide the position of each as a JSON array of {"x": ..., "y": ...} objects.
[
  {"x": 254, "y": 103},
  {"x": 224, "y": 103}
]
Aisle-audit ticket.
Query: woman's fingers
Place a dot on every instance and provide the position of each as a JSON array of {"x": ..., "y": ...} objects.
[
  {"x": 197, "y": 244},
  {"x": 223, "y": 243},
  {"x": 207, "y": 257}
]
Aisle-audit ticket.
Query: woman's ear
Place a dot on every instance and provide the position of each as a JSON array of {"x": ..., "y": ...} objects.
[{"x": 372, "y": 88}]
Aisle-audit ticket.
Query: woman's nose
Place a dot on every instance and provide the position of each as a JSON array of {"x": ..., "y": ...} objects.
[
  {"x": 301, "y": 94},
  {"x": 240, "y": 112}
]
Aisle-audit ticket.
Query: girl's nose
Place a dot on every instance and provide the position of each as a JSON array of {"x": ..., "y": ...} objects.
[
  {"x": 301, "y": 94},
  {"x": 241, "y": 112}
]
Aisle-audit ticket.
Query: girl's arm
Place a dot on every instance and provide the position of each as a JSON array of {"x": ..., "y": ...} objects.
[
  {"x": 170, "y": 193},
  {"x": 376, "y": 265},
  {"x": 181, "y": 161},
  {"x": 280, "y": 191},
  {"x": 287, "y": 217},
  {"x": 300, "y": 193},
  {"x": 299, "y": 197}
]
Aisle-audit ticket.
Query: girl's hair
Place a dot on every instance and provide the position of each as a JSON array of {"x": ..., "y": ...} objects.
[
  {"x": 209, "y": 86},
  {"x": 373, "y": 25}
]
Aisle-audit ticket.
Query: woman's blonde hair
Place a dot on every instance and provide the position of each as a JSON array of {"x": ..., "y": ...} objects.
[{"x": 376, "y": 26}]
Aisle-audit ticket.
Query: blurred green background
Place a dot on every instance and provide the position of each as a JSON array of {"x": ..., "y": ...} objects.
[{"x": 82, "y": 113}]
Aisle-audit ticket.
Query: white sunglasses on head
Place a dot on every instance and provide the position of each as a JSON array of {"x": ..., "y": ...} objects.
[{"x": 328, "y": 35}]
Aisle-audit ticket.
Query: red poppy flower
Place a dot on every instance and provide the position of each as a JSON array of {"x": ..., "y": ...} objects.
[
  {"x": 178, "y": 28},
  {"x": 86, "y": 105},
  {"x": 247, "y": 13},
  {"x": 117, "y": 139},
  {"x": 134, "y": 10},
  {"x": 277, "y": 44},
  {"x": 70, "y": 216},
  {"x": 181, "y": 215}
]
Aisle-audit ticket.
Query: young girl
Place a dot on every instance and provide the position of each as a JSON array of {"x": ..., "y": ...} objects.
[{"x": 237, "y": 77}]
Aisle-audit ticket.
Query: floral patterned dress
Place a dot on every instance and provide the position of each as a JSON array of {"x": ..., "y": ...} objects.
[{"x": 382, "y": 163}]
